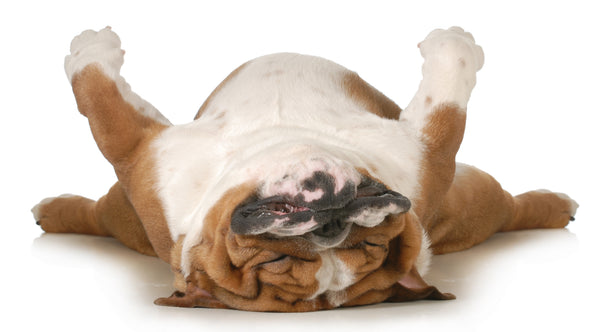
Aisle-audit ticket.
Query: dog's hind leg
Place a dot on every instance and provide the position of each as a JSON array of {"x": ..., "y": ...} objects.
[
  {"x": 541, "y": 209},
  {"x": 476, "y": 207},
  {"x": 112, "y": 215},
  {"x": 437, "y": 113}
]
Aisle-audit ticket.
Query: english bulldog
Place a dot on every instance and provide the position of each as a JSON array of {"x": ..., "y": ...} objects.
[{"x": 298, "y": 186}]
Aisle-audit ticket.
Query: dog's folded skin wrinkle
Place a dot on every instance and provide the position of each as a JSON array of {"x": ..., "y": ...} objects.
[
  {"x": 298, "y": 186},
  {"x": 278, "y": 259}
]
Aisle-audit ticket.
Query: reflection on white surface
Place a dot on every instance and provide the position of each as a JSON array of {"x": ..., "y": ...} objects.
[{"x": 521, "y": 276}]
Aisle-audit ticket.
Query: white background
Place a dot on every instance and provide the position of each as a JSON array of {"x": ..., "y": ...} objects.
[{"x": 532, "y": 124}]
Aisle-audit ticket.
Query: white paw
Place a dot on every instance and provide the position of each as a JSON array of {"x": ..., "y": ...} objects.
[
  {"x": 455, "y": 46},
  {"x": 102, "y": 48}
]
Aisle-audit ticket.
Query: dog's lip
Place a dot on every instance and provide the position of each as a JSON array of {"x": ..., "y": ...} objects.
[
  {"x": 327, "y": 235},
  {"x": 282, "y": 207},
  {"x": 330, "y": 229},
  {"x": 277, "y": 205},
  {"x": 324, "y": 242}
]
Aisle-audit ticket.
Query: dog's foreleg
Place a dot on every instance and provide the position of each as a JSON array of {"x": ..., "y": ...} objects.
[
  {"x": 120, "y": 120},
  {"x": 437, "y": 113},
  {"x": 124, "y": 127}
]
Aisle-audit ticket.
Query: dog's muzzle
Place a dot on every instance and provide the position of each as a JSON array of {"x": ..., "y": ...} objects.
[{"x": 326, "y": 221}]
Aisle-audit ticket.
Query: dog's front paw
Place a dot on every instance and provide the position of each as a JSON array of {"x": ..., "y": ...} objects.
[
  {"x": 567, "y": 205},
  {"x": 47, "y": 213},
  {"x": 453, "y": 47},
  {"x": 90, "y": 47}
]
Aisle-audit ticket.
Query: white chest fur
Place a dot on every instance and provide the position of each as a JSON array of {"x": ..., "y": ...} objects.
[{"x": 333, "y": 277}]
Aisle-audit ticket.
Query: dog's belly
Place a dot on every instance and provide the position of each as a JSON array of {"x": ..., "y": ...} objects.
[{"x": 280, "y": 90}]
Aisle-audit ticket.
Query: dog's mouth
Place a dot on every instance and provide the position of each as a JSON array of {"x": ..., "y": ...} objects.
[
  {"x": 326, "y": 224},
  {"x": 330, "y": 229}
]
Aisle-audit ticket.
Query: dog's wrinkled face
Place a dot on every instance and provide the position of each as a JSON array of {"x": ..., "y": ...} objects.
[
  {"x": 310, "y": 235},
  {"x": 305, "y": 231}
]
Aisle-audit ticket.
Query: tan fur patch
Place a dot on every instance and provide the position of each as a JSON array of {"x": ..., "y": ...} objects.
[
  {"x": 139, "y": 182},
  {"x": 443, "y": 135},
  {"x": 117, "y": 216},
  {"x": 117, "y": 127},
  {"x": 373, "y": 100},
  {"x": 474, "y": 208},
  {"x": 428, "y": 101},
  {"x": 124, "y": 137}
]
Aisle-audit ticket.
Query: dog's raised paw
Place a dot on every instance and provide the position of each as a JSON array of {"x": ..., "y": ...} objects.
[
  {"x": 95, "y": 47},
  {"x": 453, "y": 44}
]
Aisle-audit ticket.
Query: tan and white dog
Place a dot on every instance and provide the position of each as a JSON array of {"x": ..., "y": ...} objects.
[{"x": 298, "y": 186}]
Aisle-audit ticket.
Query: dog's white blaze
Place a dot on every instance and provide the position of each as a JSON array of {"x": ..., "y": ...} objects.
[
  {"x": 333, "y": 277},
  {"x": 103, "y": 48},
  {"x": 281, "y": 115}
]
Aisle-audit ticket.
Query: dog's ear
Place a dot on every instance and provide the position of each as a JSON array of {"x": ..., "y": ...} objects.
[
  {"x": 404, "y": 253},
  {"x": 412, "y": 287},
  {"x": 192, "y": 298}
]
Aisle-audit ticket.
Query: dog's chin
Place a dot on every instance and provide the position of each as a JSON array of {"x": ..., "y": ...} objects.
[{"x": 329, "y": 235}]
